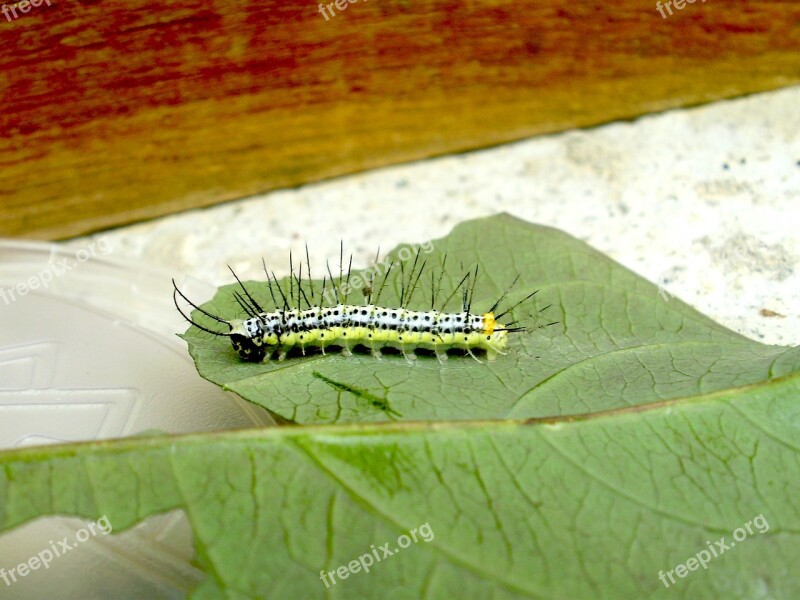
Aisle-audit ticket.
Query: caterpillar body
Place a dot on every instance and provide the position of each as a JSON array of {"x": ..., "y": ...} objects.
[
  {"x": 374, "y": 327},
  {"x": 349, "y": 326}
]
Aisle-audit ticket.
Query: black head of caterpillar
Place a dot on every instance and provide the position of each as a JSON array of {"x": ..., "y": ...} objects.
[
  {"x": 251, "y": 349},
  {"x": 336, "y": 323}
]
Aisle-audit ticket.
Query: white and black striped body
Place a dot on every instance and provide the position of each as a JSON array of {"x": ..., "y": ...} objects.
[{"x": 374, "y": 327}]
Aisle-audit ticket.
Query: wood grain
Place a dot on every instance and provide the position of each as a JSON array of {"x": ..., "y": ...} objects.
[{"x": 114, "y": 112}]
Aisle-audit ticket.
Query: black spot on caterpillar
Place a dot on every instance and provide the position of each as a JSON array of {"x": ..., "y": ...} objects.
[{"x": 369, "y": 325}]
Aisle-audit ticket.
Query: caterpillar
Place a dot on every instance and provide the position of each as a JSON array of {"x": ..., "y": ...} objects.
[{"x": 370, "y": 325}]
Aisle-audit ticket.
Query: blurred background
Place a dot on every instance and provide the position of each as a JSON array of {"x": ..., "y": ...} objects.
[{"x": 116, "y": 112}]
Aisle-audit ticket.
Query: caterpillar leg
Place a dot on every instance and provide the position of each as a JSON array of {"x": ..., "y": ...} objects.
[
  {"x": 469, "y": 351},
  {"x": 410, "y": 357},
  {"x": 492, "y": 350},
  {"x": 376, "y": 352},
  {"x": 282, "y": 355},
  {"x": 346, "y": 351},
  {"x": 323, "y": 336},
  {"x": 441, "y": 356}
]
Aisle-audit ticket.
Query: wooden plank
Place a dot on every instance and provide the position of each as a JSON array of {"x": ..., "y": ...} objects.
[{"x": 118, "y": 111}]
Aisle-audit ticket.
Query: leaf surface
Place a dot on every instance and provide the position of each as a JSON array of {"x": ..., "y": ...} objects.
[
  {"x": 617, "y": 342},
  {"x": 595, "y": 455},
  {"x": 572, "y": 507}
]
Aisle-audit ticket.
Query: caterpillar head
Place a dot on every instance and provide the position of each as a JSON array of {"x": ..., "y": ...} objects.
[{"x": 247, "y": 339}]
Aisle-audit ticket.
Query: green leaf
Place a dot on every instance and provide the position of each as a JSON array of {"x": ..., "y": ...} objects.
[
  {"x": 570, "y": 507},
  {"x": 597, "y": 454},
  {"x": 618, "y": 342}
]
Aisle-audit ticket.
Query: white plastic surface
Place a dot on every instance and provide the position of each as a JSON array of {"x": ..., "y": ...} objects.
[{"x": 88, "y": 351}]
